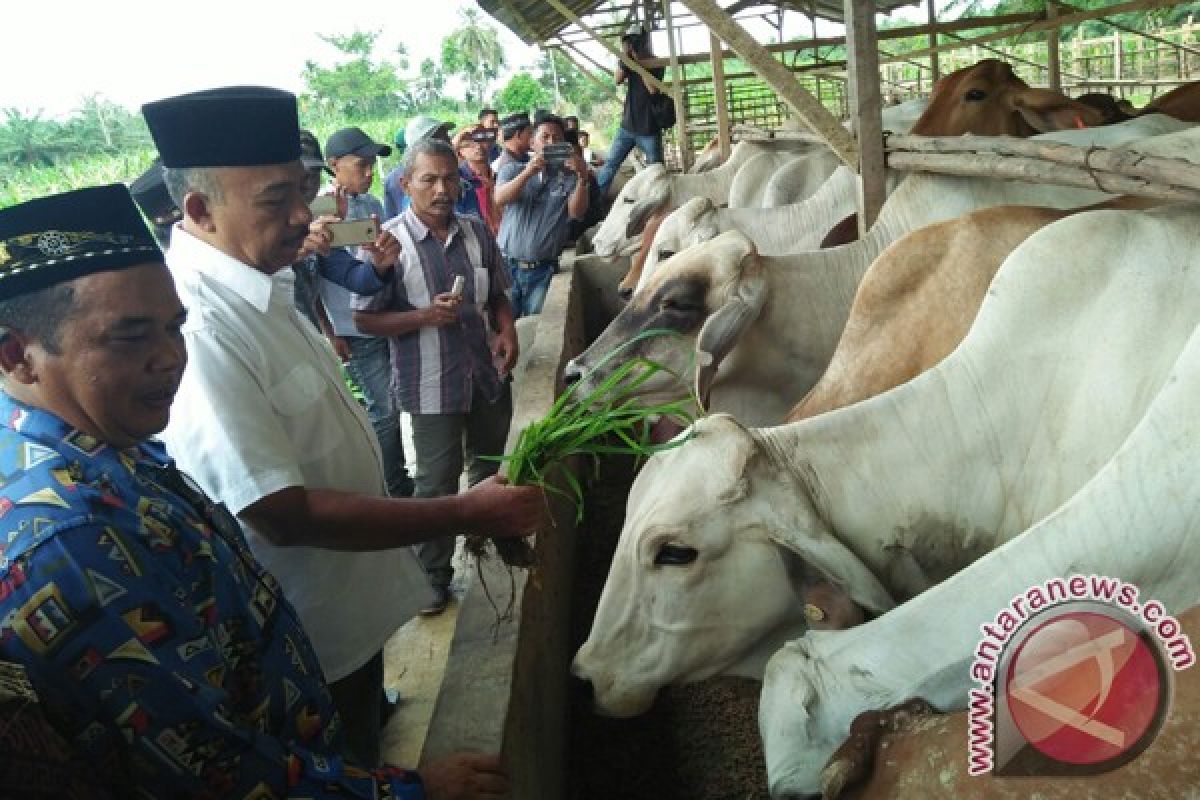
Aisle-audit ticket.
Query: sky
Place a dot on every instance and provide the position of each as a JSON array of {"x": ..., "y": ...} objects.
[{"x": 134, "y": 51}]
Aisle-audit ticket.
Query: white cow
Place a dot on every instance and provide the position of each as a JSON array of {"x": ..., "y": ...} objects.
[
  {"x": 1136, "y": 520},
  {"x": 765, "y": 328},
  {"x": 806, "y": 221},
  {"x": 878, "y": 502},
  {"x": 653, "y": 188}
]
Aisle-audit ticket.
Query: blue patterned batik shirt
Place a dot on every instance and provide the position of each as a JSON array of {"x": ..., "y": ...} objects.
[{"x": 143, "y": 650}]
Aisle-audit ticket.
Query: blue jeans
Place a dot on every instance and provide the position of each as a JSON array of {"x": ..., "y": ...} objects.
[
  {"x": 529, "y": 287},
  {"x": 623, "y": 143},
  {"x": 370, "y": 366}
]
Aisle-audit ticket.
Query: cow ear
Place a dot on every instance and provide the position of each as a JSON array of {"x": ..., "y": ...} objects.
[
  {"x": 639, "y": 215},
  {"x": 1048, "y": 111},
  {"x": 723, "y": 329}
]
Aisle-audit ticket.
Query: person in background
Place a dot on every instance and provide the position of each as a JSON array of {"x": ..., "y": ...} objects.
[
  {"x": 153, "y": 655},
  {"x": 450, "y": 371},
  {"x": 418, "y": 128},
  {"x": 638, "y": 127},
  {"x": 264, "y": 420},
  {"x": 393, "y": 192},
  {"x": 490, "y": 119},
  {"x": 517, "y": 132},
  {"x": 585, "y": 144},
  {"x": 149, "y": 191},
  {"x": 472, "y": 146},
  {"x": 538, "y": 202},
  {"x": 570, "y": 123},
  {"x": 352, "y": 156}
]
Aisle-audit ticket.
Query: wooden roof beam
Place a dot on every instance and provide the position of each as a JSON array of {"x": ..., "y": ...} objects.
[
  {"x": 779, "y": 78},
  {"x": 646, "y": 77}
]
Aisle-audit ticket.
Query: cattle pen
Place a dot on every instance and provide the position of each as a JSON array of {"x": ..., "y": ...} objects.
[{"x": 507, "y": 686}]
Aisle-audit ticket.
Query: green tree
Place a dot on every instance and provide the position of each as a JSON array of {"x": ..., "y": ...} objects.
[
  {"x": 359, "y": 86},
  {"x": 474, "y": 53},
  {"x": 523, "y": 93},
  {"x": 573, "y": 85},
  {"x": 30, "y": 139},
  {"x": 431, "y": 80}
]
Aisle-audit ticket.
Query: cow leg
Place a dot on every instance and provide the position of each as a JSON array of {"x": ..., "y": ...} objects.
[{"x": 853, "y": 761}]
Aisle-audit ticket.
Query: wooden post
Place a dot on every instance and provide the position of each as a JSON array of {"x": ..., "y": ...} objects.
[
  {"x": 1117, "y": 56},
  {"x": 865, "y": 107},
  {"x": 628, "y": 62},
  {"x": 722, "y": 102},
  {"x": 934, "y": 67},
  {"x": 1053, "y": 66},
  {"x": 778, "y": 77},
  {"x": 681, "y": 132}
]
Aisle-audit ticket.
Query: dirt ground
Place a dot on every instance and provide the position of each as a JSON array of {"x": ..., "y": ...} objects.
[{"x": 699, "y": 742}]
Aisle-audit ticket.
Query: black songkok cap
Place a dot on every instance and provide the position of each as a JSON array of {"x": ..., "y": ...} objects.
[
  {"x": 149, "y": 191},
  {"x": 237, "y": 126},
  {"x": 62, "y": 237},
  {"x": 514, "y": 123}
]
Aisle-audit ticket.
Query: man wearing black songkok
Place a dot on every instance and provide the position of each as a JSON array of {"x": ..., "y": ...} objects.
[{"x": 265, "y": 422}]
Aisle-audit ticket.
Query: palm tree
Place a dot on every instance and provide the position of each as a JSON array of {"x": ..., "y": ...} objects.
[
  {"x": 29, "y": 139},
  {"x": 474, "y": 52}
]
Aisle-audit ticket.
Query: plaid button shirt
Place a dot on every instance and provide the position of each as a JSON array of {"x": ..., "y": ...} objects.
[{"x": 436, "y": 370}]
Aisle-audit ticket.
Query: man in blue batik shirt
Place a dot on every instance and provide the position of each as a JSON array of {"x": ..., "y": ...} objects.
[{"x": 143, "y": 650}]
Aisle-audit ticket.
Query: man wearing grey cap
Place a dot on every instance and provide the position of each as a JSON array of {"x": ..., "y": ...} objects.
[
  {"x": 395, "y": 201},
  {"x": 265, "y": 422}
]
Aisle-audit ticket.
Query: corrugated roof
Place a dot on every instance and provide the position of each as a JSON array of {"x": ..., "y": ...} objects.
[{"x": 535, "y": 21}]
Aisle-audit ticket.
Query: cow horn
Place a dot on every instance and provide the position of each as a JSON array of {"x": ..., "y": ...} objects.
[
  {"x": 722, "y": 330},
  {"x": 641, "y": 211}
]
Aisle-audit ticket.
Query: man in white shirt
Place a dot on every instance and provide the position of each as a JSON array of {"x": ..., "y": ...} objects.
[{"x": 263, "y": 420}]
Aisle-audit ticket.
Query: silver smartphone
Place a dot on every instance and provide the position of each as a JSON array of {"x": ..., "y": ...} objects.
[{"x": 352, "y": 232}]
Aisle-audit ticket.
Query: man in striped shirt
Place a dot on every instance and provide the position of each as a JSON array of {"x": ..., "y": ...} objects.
[{"x": 451, "y": 352}]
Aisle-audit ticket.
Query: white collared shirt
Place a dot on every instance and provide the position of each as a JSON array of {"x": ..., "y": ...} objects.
[{"x": 262, "y": 408}]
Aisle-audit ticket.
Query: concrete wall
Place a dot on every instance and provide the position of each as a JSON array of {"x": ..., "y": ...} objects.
[{"x": 505, "y": 684}]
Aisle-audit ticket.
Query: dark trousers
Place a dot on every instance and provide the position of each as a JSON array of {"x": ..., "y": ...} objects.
[
  {"x": 358, "y": 698},
  {"x": 444, "y": 442}
]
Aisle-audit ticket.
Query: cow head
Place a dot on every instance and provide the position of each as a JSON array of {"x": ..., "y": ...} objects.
[
  {"x": 1182, "y": 103},
  {"x": 709, "y": 295},
  {"x": 688, "y": 225},
  {"x": 988, "y": 99},
  {"x": 720, "y": 540},
  {"x": 645, "y": 192}
]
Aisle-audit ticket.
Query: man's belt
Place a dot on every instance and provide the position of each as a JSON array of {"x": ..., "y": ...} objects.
[{"x": 545, "y": 262}]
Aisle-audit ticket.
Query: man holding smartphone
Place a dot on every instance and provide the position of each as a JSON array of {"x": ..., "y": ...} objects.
[
  {"x": 352, "y": 157},
  {"x": 539, "y": 198},
  {"x": 638, "y": 128}
]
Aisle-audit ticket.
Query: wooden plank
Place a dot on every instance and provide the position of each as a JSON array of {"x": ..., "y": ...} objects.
[
  {"x": 567, "y": 13},
  {"x": 1053, "y": 64},
  {"x": 681, "y": 132},
  {"x": 779, "y": 78},
  {"x": 935, "y": 70},
  {"x": 587, "y": 73},
  {"x": 530, "y": 33},
  {"x": 968, "y": 24},
  {"x": 724, "y": 140},
  {"x": 866, "y": 108}
]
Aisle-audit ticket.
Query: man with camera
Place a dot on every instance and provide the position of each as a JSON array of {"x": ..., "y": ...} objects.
[
  {"x": 539, "y": 198},
  {"x": 490, "y": 118},
  {"x": 638, "y": 126}
]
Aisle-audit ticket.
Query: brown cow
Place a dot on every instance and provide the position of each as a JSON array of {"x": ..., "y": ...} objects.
[
  {"x": 1182, "y": 103},
  {"x": 989, "y": 99}
]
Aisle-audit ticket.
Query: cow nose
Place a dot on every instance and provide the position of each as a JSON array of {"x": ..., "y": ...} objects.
[{"x": 572, "y": 373}]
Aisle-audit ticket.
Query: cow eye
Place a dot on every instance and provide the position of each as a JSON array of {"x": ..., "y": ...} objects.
[
  {"x": 975, "y": 95},
  {"x": 674, "y": 555},
  {"x": 663, "y": 255},
  {"x": 681, "y": 305}
]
